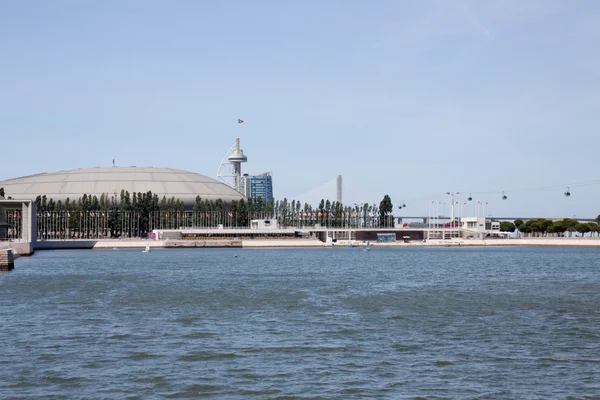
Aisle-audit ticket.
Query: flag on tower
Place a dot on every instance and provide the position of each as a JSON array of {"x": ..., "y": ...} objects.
[{"x": 240, "y": 121}]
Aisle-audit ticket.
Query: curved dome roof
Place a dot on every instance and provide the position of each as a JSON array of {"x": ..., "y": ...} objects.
[{"x": 182, "y": 185}]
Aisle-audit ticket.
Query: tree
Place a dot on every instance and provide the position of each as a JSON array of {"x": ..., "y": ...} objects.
[
  {"x": 556, "y": 227},
  {"x": 542, "y": 224},
  {"x": 339, "y": 213},
  {"x": 260, "y": 204},
  {"x": 95, "y": 204},
  {"x": 593, "y": 226},
  {"x": 197, "y": 205},
  {"x": 385, "y": 211},
  {"x": 506, "y": 226},
  {"x": 570, "y": 224},
  {"x": 242, "y": 217},
  {"x": 365, "y": 214},
  {"x": 2, "y": 194},
  {"x": 234, "y": 212},
  {"x": 582, "y": 228},
  {"x": 518, "y": 222},
  {"x": 219, "y": 208},
  {"x": 114, "y": 220},
  {"x": 284, "y": 208}
]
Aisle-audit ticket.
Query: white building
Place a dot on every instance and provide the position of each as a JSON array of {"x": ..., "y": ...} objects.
[
  {"x": 479, "y": 226},
  {"x": 264, "y": 224},
  {"x": 473, "y": 223}
]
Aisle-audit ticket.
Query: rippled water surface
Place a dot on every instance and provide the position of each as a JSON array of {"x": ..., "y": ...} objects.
[{"x": 304, "y": 323}]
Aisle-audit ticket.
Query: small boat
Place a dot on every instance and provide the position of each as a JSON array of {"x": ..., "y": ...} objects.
[
  {"x": 352, "y": 245},
  {"x": 147, "y": 249}
]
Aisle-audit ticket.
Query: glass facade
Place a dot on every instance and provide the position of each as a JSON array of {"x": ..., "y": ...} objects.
[{"x": 259, "y": 186}]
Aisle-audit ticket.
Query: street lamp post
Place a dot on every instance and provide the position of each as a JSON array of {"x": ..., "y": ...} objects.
[
  {"x": 452, "y": 194},
  {"x": 429, "y": 206}
]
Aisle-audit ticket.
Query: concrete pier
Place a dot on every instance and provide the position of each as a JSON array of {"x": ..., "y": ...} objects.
[{"x": 7, "y": 261}]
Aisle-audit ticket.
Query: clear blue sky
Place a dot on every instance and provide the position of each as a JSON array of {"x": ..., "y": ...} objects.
[{"x": 409, "y": 98}]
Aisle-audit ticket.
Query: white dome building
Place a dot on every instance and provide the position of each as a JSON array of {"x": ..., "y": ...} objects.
[{"x": 182, "y": 185}]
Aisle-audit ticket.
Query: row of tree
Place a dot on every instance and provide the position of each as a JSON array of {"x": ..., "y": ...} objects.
[
  {"x": 135, "y": 214},
  {"x": 542, "y": 226}
]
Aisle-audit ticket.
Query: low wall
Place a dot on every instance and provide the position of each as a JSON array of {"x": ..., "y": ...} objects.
[
  {"x": 257, "y": 243},
  {"x": 127, "y": 244},
  {"x": 22, "y": 248},
  {"x": 133, "y": 244},
  {"x": 372, "y": 235},
  {"x": 582, "y": 242},
  {"x": 65, "y": 244},
  {"x": 177, "y": 244},
  {"x": 564, "y": 242}
]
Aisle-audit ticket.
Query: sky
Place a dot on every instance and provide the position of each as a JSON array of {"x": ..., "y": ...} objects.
[{"x": 410, "y": 99}]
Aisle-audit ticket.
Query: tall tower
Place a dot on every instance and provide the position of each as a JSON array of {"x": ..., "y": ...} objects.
[
  {"x": 236, "y": 158},
  {"x": 339, "y": 189},
  {"x": 230, "y": 169}
]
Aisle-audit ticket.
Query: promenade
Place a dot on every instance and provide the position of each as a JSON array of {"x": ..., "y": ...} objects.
[{"x": 112, "y": 244}]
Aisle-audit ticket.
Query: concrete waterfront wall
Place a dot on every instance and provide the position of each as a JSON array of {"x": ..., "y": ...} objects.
[
  {"x": 182, "y": 244},
  {"x": 65, "y": 244},
  {"x": 76, "y": 244},
  {"x": 532, "y": 242},
  {"x": 134, "y": 244},
  {"x": 7, "y": 261},
  {"x": 298, "y": 243},
  {"x": 257, "y": 243},
  {"x": 567, "y": 242},
  {"x": 372, "y": 235},
  {"x": 22, "y": 248},
  {"x": 127, "y": 244}
]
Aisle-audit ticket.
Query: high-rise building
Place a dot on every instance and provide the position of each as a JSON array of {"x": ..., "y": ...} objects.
[{"x": 258, "y": 186}]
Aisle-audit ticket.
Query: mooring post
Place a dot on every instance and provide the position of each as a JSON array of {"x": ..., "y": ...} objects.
[{"x": 7, "y": 261}]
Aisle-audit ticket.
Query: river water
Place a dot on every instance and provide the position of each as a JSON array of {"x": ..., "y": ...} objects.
[{"x": 515, "y": 323}]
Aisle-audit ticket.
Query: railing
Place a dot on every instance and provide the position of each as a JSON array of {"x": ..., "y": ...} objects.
[{"x": 61, "y": 225}]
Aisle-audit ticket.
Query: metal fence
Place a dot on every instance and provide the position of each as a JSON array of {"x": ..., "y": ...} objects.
[{"x": 57, "y": 225}]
